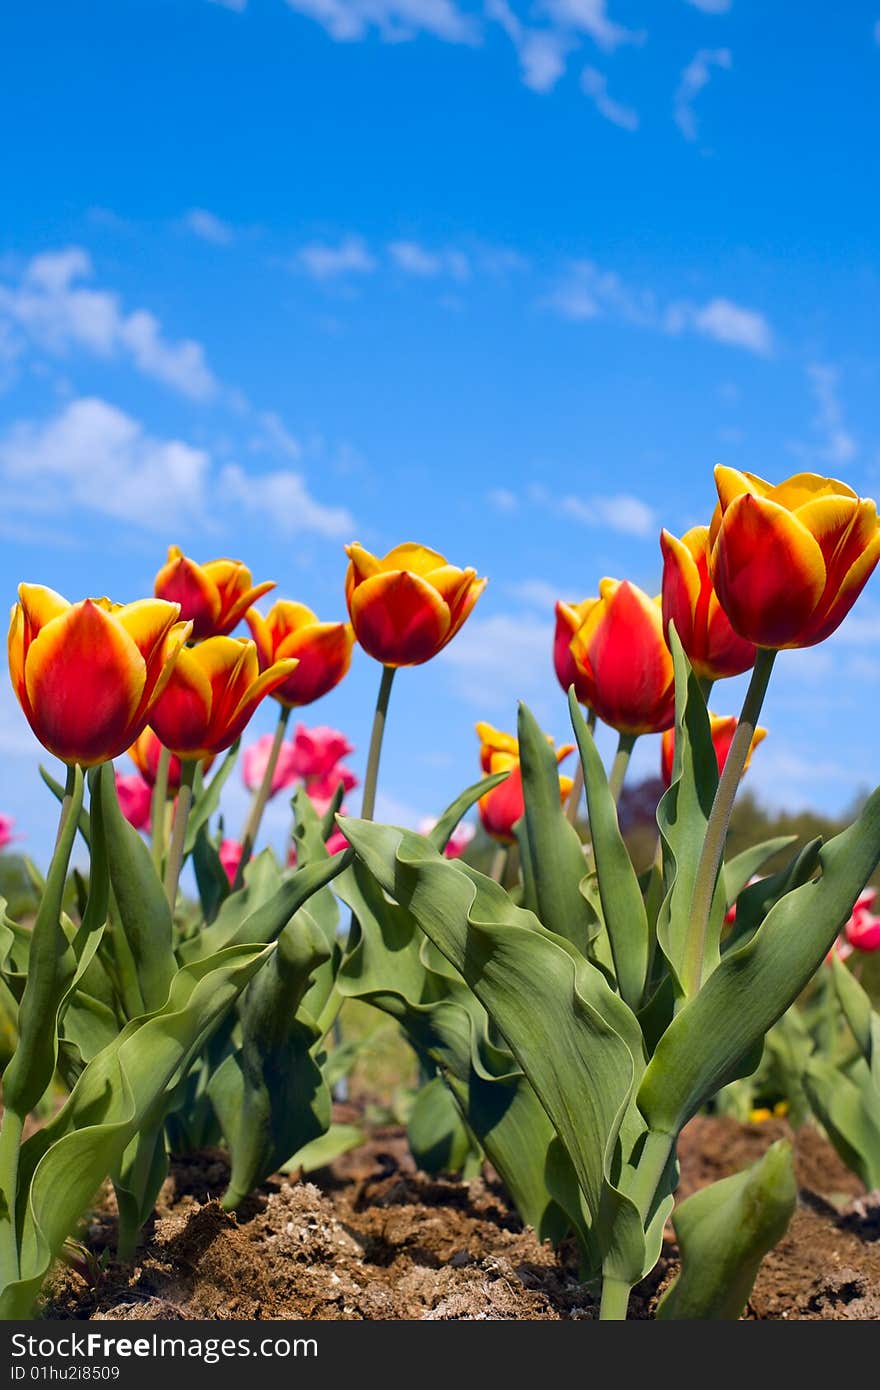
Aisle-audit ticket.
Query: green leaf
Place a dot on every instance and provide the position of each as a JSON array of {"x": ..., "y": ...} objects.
[
  {"x": 683, "y": 815},
  {"x": 141, "y": 905},
  {"x": 576, "y": 1041},
  {"x": 439, "y": 834},
  {"x": 707, "y": 1043},
  {"x": 739, "y": 870},
  {"x": 849, "y": 1110},
  {"x": 212, "y": 880},
  {"x": 724, "y": 1231},
  {"x": 50, "y": 972},
  {"x": 321, "y": 1152},
  {"x": 282, "y": 1101},
  {"x": 623, "y": 909},
  {"x": 754, "y": 902},
  {"x": 63, "y": 1164},
  {"x": 438, "y": 1139},
  {"x": 859, "y": 1013},
  {"x": 554, "y": 847},
  {"x": 83, "y": 823}
]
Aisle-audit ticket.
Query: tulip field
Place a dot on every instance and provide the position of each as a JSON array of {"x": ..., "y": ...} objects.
[{"x": 384, "y": 1073}]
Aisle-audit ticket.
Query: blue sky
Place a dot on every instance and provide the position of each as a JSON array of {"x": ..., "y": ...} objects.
[{"x": 506, "y": 279}]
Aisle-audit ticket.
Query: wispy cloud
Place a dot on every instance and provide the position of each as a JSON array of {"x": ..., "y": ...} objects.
[
  {"x": 536, "y": 593},
  {"x": 502, "y": 499},
  {"x": 542, "y": 53},
  {"x": 499, "y": 659},
  {"x": 711, "y": 6},
  {"x": 395, "y": 21},
  {"x": 586, "y": 291},
  {"x": 838, "y": 446},
  {"x": 623, "y": 513},
  {"x": 415, "y": 259},
  {"x": 591, "y": 17},
  {"x": 694, "y": 78},
  {"x": 209, "y": 227},
  {"x": 51, "y": 308},
  {"x": 324, "y": 261},
  {"x": 93, "y": 457},
  {"x": 595, "y": 85}
]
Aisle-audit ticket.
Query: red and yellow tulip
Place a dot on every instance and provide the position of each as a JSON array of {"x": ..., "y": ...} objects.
[
  {"x": 323, "y": 650},
  {"x": 406, "y": 606},
  {"x": 503, "y": 806},
  {"x": 788, "y": 562},
  {"x": 213, "y": 691},
  {"x": 145, "y": 753},
  {"x": 624, "y": 665},
  {"x": 569, "y": 617},
  {"x": 689, "y": 600},
  {"x": 723, "y": 728},
  {"x": 215, "y": 596},
  {"x": 88, "y": 674}
]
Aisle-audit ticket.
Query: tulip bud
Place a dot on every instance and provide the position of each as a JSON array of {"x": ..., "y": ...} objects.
[{"x": 406, "y": 607}]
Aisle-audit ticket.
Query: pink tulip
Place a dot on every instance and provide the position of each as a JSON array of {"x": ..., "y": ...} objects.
[
  {"x": 318, "y": 750},
  {"x": 135, "y": 796},
  {"x": 230, "y": 857},
  {"x": 256, "y": 757},
  {"x": 6, "y": 835},
  {"x": 322, "y": 789},
  {"x": 458, "y": 841},
  {"x": 863, "y": 929}
]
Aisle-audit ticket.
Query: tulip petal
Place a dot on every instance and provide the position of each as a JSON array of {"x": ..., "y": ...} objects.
[
  {"x": 463, "y": 608},
  {"x": 324, "y": 654},
  {"x": 682, "y": 590},
  {"x": 362, "y": 565},
  {"x": 808, "y": 487},
  {"x": 828, "y": 520},
  {"x": 39, "y": 606},
  {"x": 767, "y": 570},
  {"x": 265, "y": 684},
  {"x": 182, "y": 581},
  {"x": 162, "y": 665},
  {"x": 829, "y": 618},
  {"x": 419, "y": 559},
  {"x": 233, "y": 616},
  {"x": 84, "y": 678},
  {"x": 286, "y": 617},
  {"x": 262, "y": 634},
  {"x": 625, "y": 647},
  {"x": 147, "y": 622},
  {"x": 181, "y": 716},
  {"x": 399, "y": 618}
]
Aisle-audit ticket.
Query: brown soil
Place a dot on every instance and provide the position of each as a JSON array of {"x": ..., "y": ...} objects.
[{"x": 372, "y": 1238}]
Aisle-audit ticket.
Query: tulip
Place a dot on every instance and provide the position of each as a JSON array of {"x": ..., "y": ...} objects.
[
  {"x": 230, "y": 856},
  {"x": 407, "y": 606},
  {"x": 213, "y": 691},
  {"x": 788, "y": 562},
  {"x": 458, "y": 841},
  {"x": 493, "y": 741},
  {"x": 6, "y": 835},
  {"x": 145, "y": 753},
  {"x": 723, "y": 728},
  {"x": 256, "y": 760},
  {"x": 503, "y": 806},
  {"x": 323, "y": 650},
  {"x": 88, "y": 675},
  {"x": 135, "y": 798},
  {"x": 322, "y": 789},
  {"x": 863, "y": 929},
  {"x": 624, "y": 664},
  {"x": 569, "y": 617},
  {"x": 318, "y": 750},
  {"x": 215, "y": 596},
  {"x": 710, "y": 643}
]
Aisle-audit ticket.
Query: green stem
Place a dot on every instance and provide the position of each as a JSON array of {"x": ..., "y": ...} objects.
[
  {"x": 705, "y": 683},
  {"x": 615, "y": 1299},
  {"x": 499, "y": 863},
  {"x": 371, "y": 779},
  {"x": 261, "y": 798},
  {"x": 67, "y": 801},
  {"x": 574, "y": 796},
  {"x": 625, "y": 746},
  {"x": 719, "y": 821},
  {"x": 10, "y": 1144},
  {"x": 178, "y": 831},
  {"x": 157, "y": 809}
]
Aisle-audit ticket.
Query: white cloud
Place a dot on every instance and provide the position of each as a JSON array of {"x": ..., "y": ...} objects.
[
  {"x": 711, "y": 6},
  {"x": 50, "y": 309},
  {"x": 725, "y": 322},
  {"x": 274, "y": 437},
  {"x": 415, "y": 259},
  {"x": 93, "y": 456},
  {"x": 536, "y": 593},
  {"x": 502, "y": 499},
  {"x": 349, "y": 21},
  {"x": 694, "y": 78},
  {"x": 591, "y": 17},
  {"x": 595, "y": 85},
  {"x": 587, "y": 291},
  {"x": 283, "y": 497},
  {"x": 839, "y": 445},
  {"x": 209, "y": 227},
  {"x": 498, "y": 659},
  {"x": 325, "y": 262},
  {"x": 542, "y": 52},
  {"x": 628, "y": 515}
]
